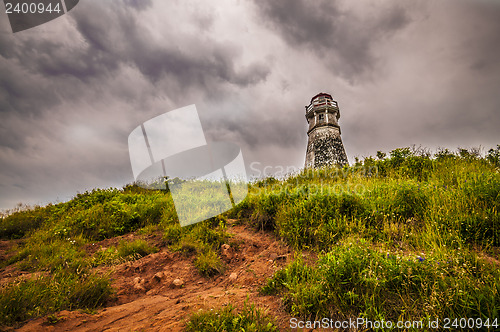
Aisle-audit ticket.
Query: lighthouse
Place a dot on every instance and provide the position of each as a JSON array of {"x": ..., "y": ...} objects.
[{"x": 324, "y": 146}]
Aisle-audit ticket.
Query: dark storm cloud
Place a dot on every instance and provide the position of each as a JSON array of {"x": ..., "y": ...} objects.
[
  {"x": 255, "y": 131},
  {"x": 482, "y": 35},
  {"x": 19, "y": 92},
  {"x": 116, "y": 35},
  {"x": 465, "y": 108},
  {"x": 139, "y": 4},
  {"x": 38, "y": 72},
  {"x": 342, "y": 37}
]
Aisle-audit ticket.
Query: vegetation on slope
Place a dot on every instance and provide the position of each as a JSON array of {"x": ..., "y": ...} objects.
[
  {"x": 405, "y": 236},
  {"x": 227, "y": 319},
  {"x": 54, "y": 239}
]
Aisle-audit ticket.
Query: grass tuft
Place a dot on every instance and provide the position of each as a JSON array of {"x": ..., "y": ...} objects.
[
  {"x": 47, "y": 294},
  {"x": 250, "y": 319},
  {"x": 209, "y": 264}
]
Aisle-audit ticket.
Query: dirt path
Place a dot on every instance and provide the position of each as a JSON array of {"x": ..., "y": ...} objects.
[{"x": 148, "y": 300}]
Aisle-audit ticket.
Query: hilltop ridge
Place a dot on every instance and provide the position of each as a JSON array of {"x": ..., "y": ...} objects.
[{"x": 409, "y": 236}]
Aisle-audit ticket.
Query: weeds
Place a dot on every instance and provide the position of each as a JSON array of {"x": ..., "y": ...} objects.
[
  {"x": 202, "y": 240},
  {"x": 250, "y": 319},
  {"x": 208, "y": 263},
  {"x": 125, "y": 251},
  {"x": 397, "y": 236},
  {"x": 48, "y": 294},
  {"x": 354, "y": 279}
]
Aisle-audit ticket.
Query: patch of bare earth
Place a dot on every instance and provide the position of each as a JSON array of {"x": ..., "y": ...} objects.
[
  {"x": 160, "y": 291},
  {"x": 10, "y": 273}
]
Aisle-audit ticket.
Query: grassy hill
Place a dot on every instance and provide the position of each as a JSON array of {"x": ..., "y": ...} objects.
[{"x": 409, "y": 236}]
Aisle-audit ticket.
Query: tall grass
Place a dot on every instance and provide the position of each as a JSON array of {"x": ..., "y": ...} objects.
[
  {"x": 446, "y": 200},
  {"x": 250, "y": 319},
  {"x": 398, "y": 237},
  {"x": 53, "y": 245},
  {"x": 357, "y": 279},
  {"x": 47, "y": 294},
  {"x": 401, "y": 236}
]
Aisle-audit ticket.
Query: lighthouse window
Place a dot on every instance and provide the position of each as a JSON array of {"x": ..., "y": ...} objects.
[{"x": 321, "y": 117}]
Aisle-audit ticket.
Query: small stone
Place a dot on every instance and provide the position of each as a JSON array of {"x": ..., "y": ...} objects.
[
  {"x": 226, "y": 251},
  {"x": 178, "y": 283},
  {"x": 152, "y": 292},
  {"x": 158, "y": 276},
  {"x": 139, "y": 284},
  {"x": 233, "y": 276}
]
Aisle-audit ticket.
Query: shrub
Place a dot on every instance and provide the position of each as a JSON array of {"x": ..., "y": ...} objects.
[
  {"x": 209, "y": 264},
  {"x": 493, "y": 156},
  {"x": 18, "y": 224},
  {"x": 318, "y": 219},
  {"x": 409, "y": 201}
]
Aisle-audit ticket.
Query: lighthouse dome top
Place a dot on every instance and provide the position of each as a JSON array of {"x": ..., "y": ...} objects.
[
  {"x": 322, "y": 94},
  {"x": 321, "y": 102}
]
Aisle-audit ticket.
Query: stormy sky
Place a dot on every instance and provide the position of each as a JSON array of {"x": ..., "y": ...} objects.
[{"x": 404, "y": 72}]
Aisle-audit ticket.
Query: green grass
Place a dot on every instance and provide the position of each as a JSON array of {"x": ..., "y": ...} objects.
[
  {"x": 424, "y": 201},
  {"x": 202, "y": 240},
  {"x": 250, "y": 319},
  {"x": 357, "y": 279},
  {"x": 54, "y": 238},
  {"x": 125, "y": 251},
  {"x": 399, "y": 237},
  {"x": 43, "y": 295},
  {"x": 209, "y": 264},
  {"x": 405, "y": 204},
  {"x": 94, "y": 215}
]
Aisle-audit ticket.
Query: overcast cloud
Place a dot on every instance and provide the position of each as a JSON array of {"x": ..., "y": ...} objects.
[{"x": 403, "y": 72}]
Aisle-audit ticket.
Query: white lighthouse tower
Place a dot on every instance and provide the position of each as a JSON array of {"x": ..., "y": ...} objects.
[{"x": 324, "y": 146}]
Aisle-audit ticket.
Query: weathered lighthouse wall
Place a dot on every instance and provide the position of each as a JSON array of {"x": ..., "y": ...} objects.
[{"x": 325, "y": 148}]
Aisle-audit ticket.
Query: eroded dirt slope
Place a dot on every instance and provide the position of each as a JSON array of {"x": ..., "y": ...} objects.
[{"x": 159, "y": 292}]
